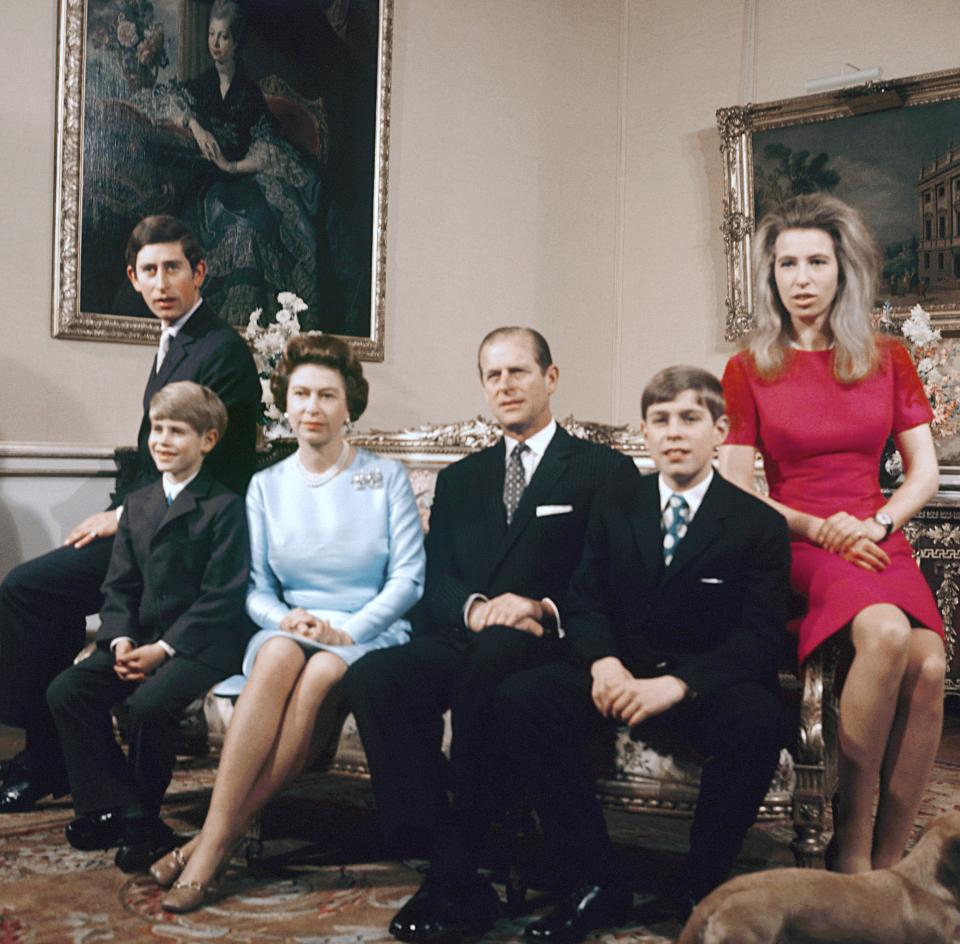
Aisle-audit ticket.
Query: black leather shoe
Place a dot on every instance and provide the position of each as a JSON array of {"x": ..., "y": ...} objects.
[
  {"x": 20, "y": 796},
  {"x": 447, "y": 911},
  {"x": 676, "y": 907},
  {"x": 95, "y": 831},
  {"x": 592, "y": 907},
  {"x": 137, "y": 854}
]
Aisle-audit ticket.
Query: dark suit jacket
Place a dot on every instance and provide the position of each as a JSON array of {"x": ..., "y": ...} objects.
[
  {"x": 179, "y": 573},
  {"x": 715, "y": 617},
  {"x": 211, "y": 353},
  {"x": 470, "y": 549}
]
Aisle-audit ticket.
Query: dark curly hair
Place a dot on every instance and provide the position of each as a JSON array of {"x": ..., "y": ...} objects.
[{"x": 327, "y": 351}]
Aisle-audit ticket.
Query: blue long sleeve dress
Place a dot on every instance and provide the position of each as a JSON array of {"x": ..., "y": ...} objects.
[{"x": 349, "y": 551}]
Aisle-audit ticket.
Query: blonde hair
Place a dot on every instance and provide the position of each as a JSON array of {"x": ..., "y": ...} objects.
[
  {"x": 191, "y": 403},
  {"x": 858, "y": 259}
]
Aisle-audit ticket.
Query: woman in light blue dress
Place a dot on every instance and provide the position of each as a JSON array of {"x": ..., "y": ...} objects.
[{"x": 336, "y": 561}]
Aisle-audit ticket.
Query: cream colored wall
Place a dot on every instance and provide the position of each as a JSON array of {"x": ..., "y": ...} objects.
[
  {"x": 686, "y": 59},
  {"x": 553, "y": 162},
  {"x": 502, "y": 200}
]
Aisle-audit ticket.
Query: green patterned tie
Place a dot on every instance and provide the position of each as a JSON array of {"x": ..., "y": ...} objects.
[{"x": 677, "y": 510}]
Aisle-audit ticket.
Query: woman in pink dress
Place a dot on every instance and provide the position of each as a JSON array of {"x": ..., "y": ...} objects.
[{"x": 818, "y": 392}]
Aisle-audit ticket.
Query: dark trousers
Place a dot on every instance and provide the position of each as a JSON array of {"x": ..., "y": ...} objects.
[
  {"x": 101, "y": 778},
  {"x": 44, "y": 603},
  {"x": 548, "y": 720},
  {"x": 398, "y": 697}
]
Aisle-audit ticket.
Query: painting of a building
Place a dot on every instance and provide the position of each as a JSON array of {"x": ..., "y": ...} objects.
[{"x": 938, "y": 190}]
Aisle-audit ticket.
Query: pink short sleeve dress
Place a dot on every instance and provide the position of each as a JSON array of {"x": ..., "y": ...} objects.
[{"x": 821, "y": 442}]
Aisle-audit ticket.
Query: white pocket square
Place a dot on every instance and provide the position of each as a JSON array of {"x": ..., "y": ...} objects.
[
  {"x": 710, "y": 580},
  {"x": 544, "y": 510}
]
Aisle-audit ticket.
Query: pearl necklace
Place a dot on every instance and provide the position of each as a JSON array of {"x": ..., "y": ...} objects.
[{"x": 315, "y": 479}]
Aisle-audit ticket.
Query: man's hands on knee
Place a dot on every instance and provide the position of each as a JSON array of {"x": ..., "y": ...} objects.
[
  {"x": 135, "y": 664},
  {"x": 629, "y": 700},
  {"x": 101, "y": 525},
  {"x": 508, "y": 609}
]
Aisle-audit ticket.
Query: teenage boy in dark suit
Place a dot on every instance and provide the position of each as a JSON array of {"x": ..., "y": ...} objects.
[
  {"x": 44, "y": 602},
  {"x": 675, "y": 622},
  {"x": 173, "y": 624}
]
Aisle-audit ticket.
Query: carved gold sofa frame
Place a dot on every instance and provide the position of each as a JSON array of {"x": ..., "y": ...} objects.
[{"x": 634, "y": 777}]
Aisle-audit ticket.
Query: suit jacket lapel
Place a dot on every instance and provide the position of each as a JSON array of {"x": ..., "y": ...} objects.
[
  {"x": 184, "y": 503},
  {"x": 197, "y": 325},
  {"x": 549, "y": 470},
  {"x": 490, "y": 494},
  {"x": 704, "y": 530},
  {"x": 646, "y": 522}
]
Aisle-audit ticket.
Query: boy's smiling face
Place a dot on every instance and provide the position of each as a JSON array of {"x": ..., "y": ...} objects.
[
  {"x": 177, "y": 448},
  {"x": 682, "y": 436}
]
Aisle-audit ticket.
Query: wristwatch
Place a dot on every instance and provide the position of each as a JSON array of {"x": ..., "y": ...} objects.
[{"x": 885, "y": 522}]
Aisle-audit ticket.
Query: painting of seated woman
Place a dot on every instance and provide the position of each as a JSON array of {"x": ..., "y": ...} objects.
[{"x": 249, "y": 139}]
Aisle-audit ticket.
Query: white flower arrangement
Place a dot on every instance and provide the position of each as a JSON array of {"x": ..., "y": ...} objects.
[
  {"x": 918, "y": 330},
  {"x": 267, "y": 345},
  {"x": 933, "y": 360}
]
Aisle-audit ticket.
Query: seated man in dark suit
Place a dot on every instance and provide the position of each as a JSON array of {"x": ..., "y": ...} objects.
[
  {"x": 506, "y": 531},
  {"x": 44, "y": 602},
  {"x": 675, "y": 622},
  {"x": 173, "y": 624}
]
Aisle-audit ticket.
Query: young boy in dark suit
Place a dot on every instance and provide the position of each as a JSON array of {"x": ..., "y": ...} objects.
[
  {"x": 674, "y": 622},
  {"x": 173, "y": 624}
]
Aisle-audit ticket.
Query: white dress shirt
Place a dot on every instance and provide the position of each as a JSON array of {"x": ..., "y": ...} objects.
[{"x": 692, "y": 496}]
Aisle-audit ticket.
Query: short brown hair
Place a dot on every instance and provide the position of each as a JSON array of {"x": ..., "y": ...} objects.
[
  {"x": 163, "y": 229},
  {"x": 327, "y": 351},
  {"x": 541, "y": 350},
  {"x": 670, "y": 382},
  {"x": 192, "y": 403}
]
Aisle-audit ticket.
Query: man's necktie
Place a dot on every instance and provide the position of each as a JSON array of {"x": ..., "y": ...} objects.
[
  {"x": 165, "y": 338},
  {"x": 676, "y": 520},
  {"x": 514, "y": 481}
]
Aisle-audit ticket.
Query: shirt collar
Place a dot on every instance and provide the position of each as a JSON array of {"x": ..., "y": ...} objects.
[
  {"x": 171, "y": 489},
  {"x": 174, "y": 329},
  {"x": 537, "y": 443},
  {"x": 693, "y": 496}
]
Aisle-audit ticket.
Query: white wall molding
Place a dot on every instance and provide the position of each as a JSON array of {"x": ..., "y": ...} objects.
[{"x": 60, "y": 460}]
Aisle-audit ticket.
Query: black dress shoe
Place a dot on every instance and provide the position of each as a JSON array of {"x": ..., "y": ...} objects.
[
  {"x": 95, "y": 831},
  {"x": 592, "y": 907},
  {"x": 140, "y": 850},
  {"x": 20, "y": 796},
  {"x": 675, "y": 907},
  {"x": 445, "y": 911}
]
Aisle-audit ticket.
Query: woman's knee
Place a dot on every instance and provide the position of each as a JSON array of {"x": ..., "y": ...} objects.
[
  {"x": 278, "y": 653},
  {"x": 324, "y": 670},
  {"x": 927, "y": 670},
  {"x": 883, "y": 636}
]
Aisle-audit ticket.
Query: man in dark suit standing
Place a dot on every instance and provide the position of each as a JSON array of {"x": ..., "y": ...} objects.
[
  {"x": 675, "y": 621},
  {"x": 506, "y": 531},
  {"x": 44, "y": 602}
]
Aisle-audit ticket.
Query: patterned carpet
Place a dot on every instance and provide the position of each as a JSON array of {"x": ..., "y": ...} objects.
[{"x": 323, "y": 879}]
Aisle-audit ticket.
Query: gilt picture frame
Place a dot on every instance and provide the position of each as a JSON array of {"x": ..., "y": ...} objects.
[
  {"x": 309, "y": 218},
  {"x": 889, "y": 148}
]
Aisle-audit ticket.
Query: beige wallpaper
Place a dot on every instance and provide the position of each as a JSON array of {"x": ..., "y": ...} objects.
[{"x": 553, "y": 162}]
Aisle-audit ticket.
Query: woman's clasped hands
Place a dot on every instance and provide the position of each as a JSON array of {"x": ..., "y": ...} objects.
[
  {"x": 854, "y": 539},
  {"x": 301, "y": 622}
]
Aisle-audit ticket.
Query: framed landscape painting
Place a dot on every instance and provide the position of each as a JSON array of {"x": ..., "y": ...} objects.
[
  {"x": 261, "y": 123},
  {"x": 890, "y": 149}
]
